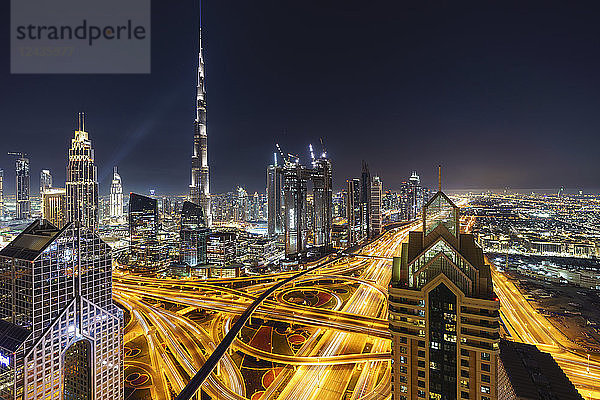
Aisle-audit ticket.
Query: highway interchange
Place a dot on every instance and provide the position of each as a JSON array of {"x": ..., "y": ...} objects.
[{"x": 346, "y": 352}]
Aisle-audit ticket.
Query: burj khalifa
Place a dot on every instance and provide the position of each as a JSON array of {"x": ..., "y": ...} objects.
[{"x": 199, "y": 187}]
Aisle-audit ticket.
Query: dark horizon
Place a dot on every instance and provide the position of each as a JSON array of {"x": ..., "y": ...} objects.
[{"x": 502, "y": 96}]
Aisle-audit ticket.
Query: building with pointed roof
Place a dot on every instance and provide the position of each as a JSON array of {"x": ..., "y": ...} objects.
[{"x": 443, "y": 312}]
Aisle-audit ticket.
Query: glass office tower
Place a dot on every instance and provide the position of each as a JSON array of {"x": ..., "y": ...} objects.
[
  {"x": 145, "y": 251},
  {"x": 23, "y": 187},
  {"x": 61, "y": 335},
  {"x": 192, "y": 235}
]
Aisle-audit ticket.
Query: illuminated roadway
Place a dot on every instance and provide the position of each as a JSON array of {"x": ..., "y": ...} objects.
[{"x": 347, "y": 354}]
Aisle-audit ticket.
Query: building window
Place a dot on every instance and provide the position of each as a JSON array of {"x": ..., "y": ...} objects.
[
  {"x": 485, "y": 356},
  {"x": 485, "y": 389},
  {"x": 485, "y": 367},
  {"x": 485, "y": 378}
]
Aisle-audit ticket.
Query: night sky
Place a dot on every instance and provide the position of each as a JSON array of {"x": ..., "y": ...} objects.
[{"x": 499, "y": 93}]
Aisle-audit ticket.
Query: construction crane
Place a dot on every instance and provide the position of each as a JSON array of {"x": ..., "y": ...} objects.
[
  {"x": 324, "y": 154},
  {"x": 289, "y": 157}
]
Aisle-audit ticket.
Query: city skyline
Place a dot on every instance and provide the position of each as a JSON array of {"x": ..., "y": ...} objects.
[
  {"x": 320, "y": 260},
  {"x": 516, "y": 117}
]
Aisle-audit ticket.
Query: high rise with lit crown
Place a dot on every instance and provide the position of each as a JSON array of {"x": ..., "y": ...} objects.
[
  {"x": 199, "y": 187},
  {"x": 116, "y": 197},
  {"x": 443, "y": 313},
  {"x": 375, "y": 219},
  {"x": 82, "y": 179},
  {"x": 61, "y": 335}
]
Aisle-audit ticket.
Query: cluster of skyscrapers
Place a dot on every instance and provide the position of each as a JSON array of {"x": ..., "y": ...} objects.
[
  {"x": 363, "y": 207},
  {"x": 303, "y": 224},
  {"x": 406, "y": 203}
]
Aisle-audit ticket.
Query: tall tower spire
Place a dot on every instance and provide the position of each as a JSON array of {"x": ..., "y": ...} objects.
[{"x": 199, "y": 186}]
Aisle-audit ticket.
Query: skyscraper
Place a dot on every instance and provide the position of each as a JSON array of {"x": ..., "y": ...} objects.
[
  {"x": 415, "y": 196},
  {"x": 199, "y": 187},
  {"x": 1, "y": 193},
  {"x": 45, "y": 180},
  {"x": 61, "y": 335},
  {"x": 294, "y": 203},
  {"x": 82, "y": 179},
  {"x": 116, "y": 197},
  {"x": 192, "y": 235},
  {"x": 143, "y": 231},
  {"x": 54, "y": 206},
  {"x": 322, "y": 200},
  {"x": 365, "y": 197},
  {"x": 443, "y": 313},
  {"x": 255, "y": 207},
  {"x": 354, "y": 211},
  {"x": 23, "y": 184},
  {"x": 376, "y": 191},
  {"x": 241, "y": 205},
  {"x": 274, "y": 199}
]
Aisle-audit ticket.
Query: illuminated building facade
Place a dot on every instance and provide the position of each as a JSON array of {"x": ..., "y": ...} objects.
[
  {"x": 82, "y": 179},
  {"x": 116, "y": 197},
  {"x": 143, "y": 232},
  {"x": 365, "y": 198},
  {"x": 443, "y": 313},
  {"x": 23, "y": 186},
  {"x": 274, "y": 199},
  {"x": 199, "y": 187},
  {"x": 375, "y": 219},
  {"x": 45, "y": 180},
  {"x": 54, "y": 206},
  {"x": 241, "y": 205},
  {"x": 1, "y": 193},
  {"x": 415, "y": 198},
  {"x": 355, "y": 208},
  {"x": 61, "y": 335},
  {"x": 193, "y": 234},
  {"x": 294, "y": 204},
  {"x": 220, "y": 248},
  {"x": 322, "y": 201},
  {"x": 290, "y": 210}
]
